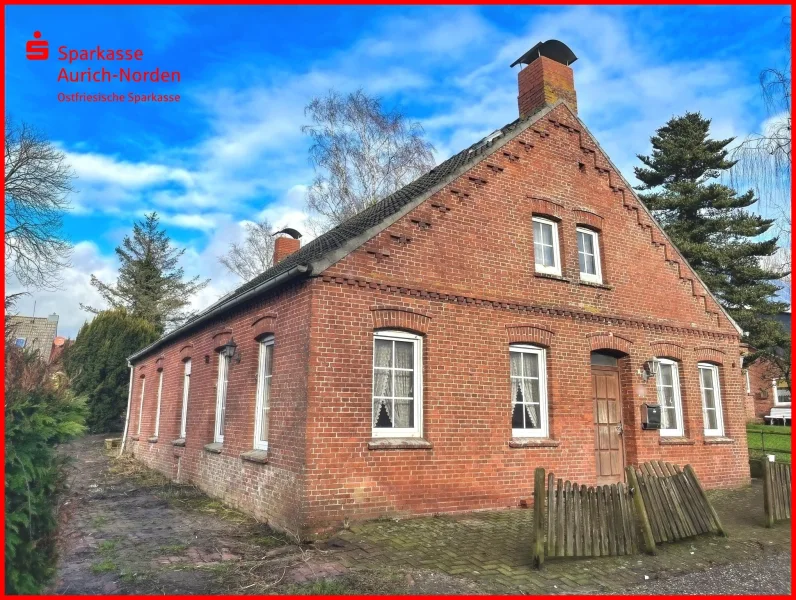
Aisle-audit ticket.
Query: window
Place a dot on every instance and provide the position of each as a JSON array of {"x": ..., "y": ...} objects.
[
  {"x": 264, "y": 371},
  {"x": 668, "y": 383},
  {"x": 186, "y": 386},
  {"x": 748, "y": 383},
  {"x": 589, "y": 255},
  {"x": 781, "y": 392},
  {"x": 20, "y": 342},
  {"x": 545, "y": 246},
  {"x": 528, "y": 391},
  {"x": 711, "y": 399},
  {"x": 141, "y": 405},
  {"x": 221, "y": 396},
  {"x": 397, "y": 384},
  {"x": 157, "y": 414}
]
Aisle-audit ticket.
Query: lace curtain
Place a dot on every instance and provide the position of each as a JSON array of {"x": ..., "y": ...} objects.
[
  {"x": 523, "y": 388},
  {"x": 394, "y": 365}
]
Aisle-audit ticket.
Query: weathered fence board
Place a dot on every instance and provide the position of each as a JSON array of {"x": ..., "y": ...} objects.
[{"x": 776, "y": 491}]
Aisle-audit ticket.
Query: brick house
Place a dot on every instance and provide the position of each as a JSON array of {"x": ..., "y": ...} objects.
[
  {"x": 766, "y": 385},
  {"x": 502, "y": 312}
]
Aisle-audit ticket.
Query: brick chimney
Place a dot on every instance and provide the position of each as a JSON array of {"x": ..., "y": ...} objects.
[
  {"x": 546, "y": 77},
  {"x": 287, "y": 244}
]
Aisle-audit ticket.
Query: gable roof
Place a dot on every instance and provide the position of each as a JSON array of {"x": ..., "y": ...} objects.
[
  {"x": 330, "y": 247},
  {"x": 38, "y": 333}
]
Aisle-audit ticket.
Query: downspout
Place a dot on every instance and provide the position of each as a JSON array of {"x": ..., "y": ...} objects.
[{"x": 127, "y": 416}]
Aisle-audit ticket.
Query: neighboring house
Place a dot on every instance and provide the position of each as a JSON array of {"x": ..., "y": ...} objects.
[
  {"x": 503, "y": 312},
  {"x": 34, "y": 333},
  {"x": 60, "y": 344},
  {"x": 766, "y": 386}
]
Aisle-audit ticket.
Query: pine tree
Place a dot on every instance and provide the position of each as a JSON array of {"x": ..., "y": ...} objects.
[
  {"x": 150, "y": 285},
  {"x": 709, "y": 224},
  {"x": 97, "y": 364}
]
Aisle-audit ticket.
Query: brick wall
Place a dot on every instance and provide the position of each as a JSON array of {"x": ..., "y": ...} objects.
[{"x": 760, "y": 398}]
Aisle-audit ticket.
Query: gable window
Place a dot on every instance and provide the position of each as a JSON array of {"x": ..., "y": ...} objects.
[
  {"x": 668, "y": 384},
  {"x": 711, "y": 399},
  {"x": 221, "y": 396},
  {"x": 186, "y": 386},
  {"x": 528, "y": 391},
  {"x": 20, "y": 342},
  {"x": 589, "y": 255},
  {"x": 397, "y": 384},
  {"x": 545, "y": 246},
  {"x": 157, "y": 413},
  {"x": 264, "y": 372},
  {"x": 141, "y": 405}
]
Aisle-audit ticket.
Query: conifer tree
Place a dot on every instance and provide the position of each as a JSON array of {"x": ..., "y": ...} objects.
[
  {"x": 97, "y": 364},
  {"x": 711, "y": 225},
  {"x": 150, "y": 285}
]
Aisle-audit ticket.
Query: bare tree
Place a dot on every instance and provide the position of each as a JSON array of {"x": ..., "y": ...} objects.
[
  {"x": 361, "y": 153},
  {"x": 254, "y": 255},
  {"x": 37, "y": 185}
]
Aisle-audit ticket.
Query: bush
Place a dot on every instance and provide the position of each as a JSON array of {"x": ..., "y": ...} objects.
[
  {"x": 97, "y": 365},
  {"x": 40, "y": 413}
]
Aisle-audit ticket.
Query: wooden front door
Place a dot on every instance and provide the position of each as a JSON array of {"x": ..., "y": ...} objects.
[{"x": 609, "y": 447}]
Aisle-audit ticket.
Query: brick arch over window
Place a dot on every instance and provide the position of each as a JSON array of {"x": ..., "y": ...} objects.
[
  {"x": 546, "y": 208},
  {"x": 263, "y": 325},
  {"x": 707, "y": 354},
  {"x": 400, "y": 318},
  {"x": 221, "y": 337},
  {"x": 667, "y": 350},
  {"x": 529, "y": 334},
  {"x": 159, "y": 363},
  {"x": 609, "y": 341},
  {"x": 588, "y": 218},
  {"x": 186, "y": 352},
  {"x": 141, "y": 370}
]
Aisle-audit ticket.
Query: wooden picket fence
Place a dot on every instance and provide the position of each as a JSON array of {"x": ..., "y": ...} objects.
[
  {"x": 776, "y": 491},
  {"x": 660, "y": 501},
  {"x": 675, "y": 503},
  {"x": 582, "y": 520}
]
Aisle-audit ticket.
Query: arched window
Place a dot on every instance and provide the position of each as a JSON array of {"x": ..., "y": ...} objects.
[
  {"x": 711, "y": 399},
  {"x": 528, "y": 391},
  {"x": 668, "y": 384},
  {"x": 397, "y": 384}
]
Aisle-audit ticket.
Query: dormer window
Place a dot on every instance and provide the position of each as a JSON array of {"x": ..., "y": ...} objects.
[{"x": 545, "y": 246}]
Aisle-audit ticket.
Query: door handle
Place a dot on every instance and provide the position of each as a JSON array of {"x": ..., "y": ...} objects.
[{"x": 619, "y": 429}]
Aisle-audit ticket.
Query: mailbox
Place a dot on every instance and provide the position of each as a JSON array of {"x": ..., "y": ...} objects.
[{"x": 650, "y": 416}]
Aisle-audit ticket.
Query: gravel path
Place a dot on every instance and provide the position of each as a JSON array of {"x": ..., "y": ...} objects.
[{"x": 770, "y": 575}]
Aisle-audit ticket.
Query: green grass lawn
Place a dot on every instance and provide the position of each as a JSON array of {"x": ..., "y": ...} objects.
[{"x": 774, "y": 444}]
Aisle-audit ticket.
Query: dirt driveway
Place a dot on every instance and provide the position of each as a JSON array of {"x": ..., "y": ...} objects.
[{"x": 128, "y": 530}]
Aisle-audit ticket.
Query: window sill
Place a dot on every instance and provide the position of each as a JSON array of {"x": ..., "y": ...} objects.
[
  {"x": 675, "y": 441},
  {"x": 594, "y": 284},
  {"x": 178, "y": 442},
  {"x": 153, "y": 439},
  {"x": 399, "y": 444},
  {"x": 719, "y": 439},
  {"x": 256, "y": 456},
  {"x": 533, "y": 443},
  {"x": 214, "y": 448},
  {"x": 551, "y": 276},
  {"x": 135, "y": 438}
]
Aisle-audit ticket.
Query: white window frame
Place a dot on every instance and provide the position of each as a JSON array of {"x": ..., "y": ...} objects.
[
  {"x": 398, "y": 432},
  {"x": 263, "y": 392},
  {"x": 221, "y": 397},
  {"x": 748, "y": 382},
  {"x": 719, "y": 430},
  {"x": 556, "y": 268},
  {"x": 157, "y": 413},
  {"x": 186, "y": 387},
  {"x": 597, "y": 277},
  {"x": 541, "y": 353},
  {"x": 776, "y": 395},
  {"x": 141, "y": 405},
  {"x": 678, "y": 431}
]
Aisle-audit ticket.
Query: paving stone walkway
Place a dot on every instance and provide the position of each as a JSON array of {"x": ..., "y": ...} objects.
[{"x": 128, "y": 530}]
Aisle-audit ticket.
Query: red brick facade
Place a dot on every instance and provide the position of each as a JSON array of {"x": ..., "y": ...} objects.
[{"x": 458, "y": 270}]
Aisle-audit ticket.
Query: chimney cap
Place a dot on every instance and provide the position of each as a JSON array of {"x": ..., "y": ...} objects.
[
  {"x": 289, "y": 231},
  {"x": 552, "y": 49}
]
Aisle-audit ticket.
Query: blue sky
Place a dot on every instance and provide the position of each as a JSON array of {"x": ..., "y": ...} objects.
[{"x": 231, "y": 150}]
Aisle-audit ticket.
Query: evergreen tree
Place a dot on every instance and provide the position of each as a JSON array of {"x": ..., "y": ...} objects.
[
  {"x": 97, "y": 365},
  {"x": 709, "y": 224},
  {"x": 150, "y": 285}
]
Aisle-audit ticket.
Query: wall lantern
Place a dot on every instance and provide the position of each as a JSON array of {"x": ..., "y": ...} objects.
[
  {"x": 230, "y": 350},
  {"x": 650, "y": 369}
]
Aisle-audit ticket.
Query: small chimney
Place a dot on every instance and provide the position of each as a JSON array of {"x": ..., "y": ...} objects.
[
  {"x": 286, "y": 244},
  {"x": 546, "y": 78}
]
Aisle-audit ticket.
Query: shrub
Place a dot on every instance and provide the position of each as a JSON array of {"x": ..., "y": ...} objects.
[{"x": 97, "y": 365}]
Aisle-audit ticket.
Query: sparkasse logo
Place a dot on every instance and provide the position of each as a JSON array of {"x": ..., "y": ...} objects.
[{"x": 37, "y": 50}]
